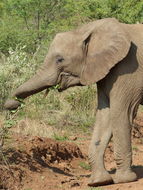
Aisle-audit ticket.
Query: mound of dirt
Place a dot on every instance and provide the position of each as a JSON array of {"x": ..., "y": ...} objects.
[
  {"x": 52, "y": 150},
  {"x": 32, "y": 154}
]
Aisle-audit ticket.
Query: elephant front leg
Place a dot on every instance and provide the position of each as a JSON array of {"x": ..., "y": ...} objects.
[
  {"x": 100, "y": 139},
  {"x": 122, "y": 146}
]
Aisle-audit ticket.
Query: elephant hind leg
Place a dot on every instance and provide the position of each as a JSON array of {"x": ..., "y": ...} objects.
[{"x": 100, "y": 139}]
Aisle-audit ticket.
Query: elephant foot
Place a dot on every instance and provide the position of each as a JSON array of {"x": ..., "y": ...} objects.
[
  {"x": 125, "y": 176},
  {"x": 100, "y": 179}
]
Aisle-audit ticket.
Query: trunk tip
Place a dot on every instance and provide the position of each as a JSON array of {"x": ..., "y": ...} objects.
[{"x": 11, "y": 104}]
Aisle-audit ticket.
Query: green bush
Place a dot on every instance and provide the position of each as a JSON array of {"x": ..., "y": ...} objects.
[{"x": 32, "y": 22}]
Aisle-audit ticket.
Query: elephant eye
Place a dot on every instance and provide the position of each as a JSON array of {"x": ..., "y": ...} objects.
[{"x": 59, "y": 59}]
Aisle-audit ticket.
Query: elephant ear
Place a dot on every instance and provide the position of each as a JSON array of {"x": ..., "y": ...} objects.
[{"x": 105, "y": 43}]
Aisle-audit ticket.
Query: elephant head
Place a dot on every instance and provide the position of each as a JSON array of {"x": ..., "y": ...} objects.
[{"x": 79, "y": 57}]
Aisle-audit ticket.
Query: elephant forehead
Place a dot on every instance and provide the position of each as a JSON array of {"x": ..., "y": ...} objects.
[{"x": 64, "y": 42}]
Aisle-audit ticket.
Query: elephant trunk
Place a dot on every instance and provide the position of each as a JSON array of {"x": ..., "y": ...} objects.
[
  {"x": 40, "y": 81},
  {"x": 32, "y": 86}
]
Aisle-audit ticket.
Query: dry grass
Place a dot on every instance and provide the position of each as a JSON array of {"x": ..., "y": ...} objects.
[
  {"x": 34, "y": 128},
  {"x": 1, "y": 120}
]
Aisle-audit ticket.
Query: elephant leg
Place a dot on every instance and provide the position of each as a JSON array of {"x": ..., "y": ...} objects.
[
  {"x": 121, "y": 129},
  {"x": 100, "y": 139}
]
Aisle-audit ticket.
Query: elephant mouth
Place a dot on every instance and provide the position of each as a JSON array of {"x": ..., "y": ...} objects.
[{"x": 67, "y": 80}]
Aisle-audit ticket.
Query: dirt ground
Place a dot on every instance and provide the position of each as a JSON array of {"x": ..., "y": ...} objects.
[{"x": 35, "y": 163}]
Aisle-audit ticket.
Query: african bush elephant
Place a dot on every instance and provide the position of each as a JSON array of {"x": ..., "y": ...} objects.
[{"x": 110, "y": 54}]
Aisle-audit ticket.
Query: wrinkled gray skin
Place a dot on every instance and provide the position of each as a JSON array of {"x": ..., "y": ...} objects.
[{"x": 110, "y": 54}]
